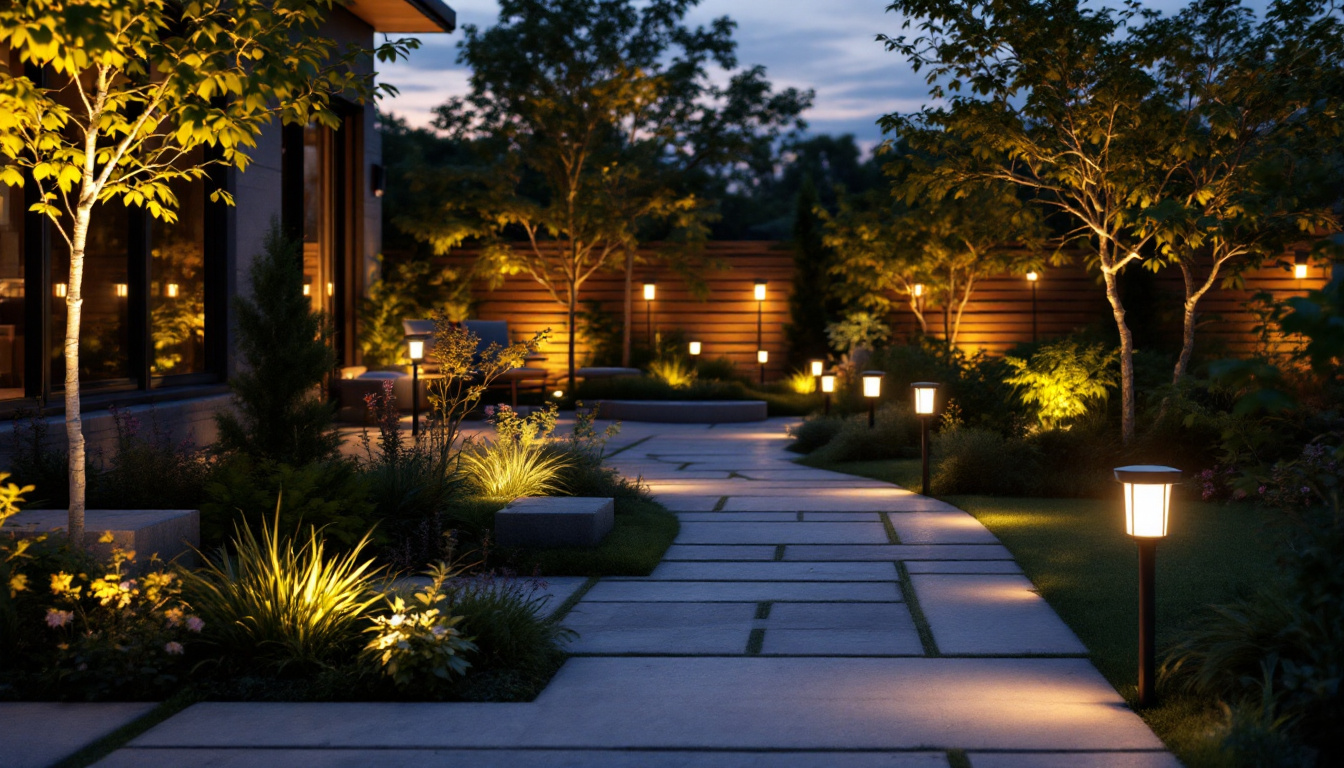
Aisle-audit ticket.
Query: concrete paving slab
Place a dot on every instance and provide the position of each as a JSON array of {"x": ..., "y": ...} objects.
[
  {"x": 841, "y": 642},
  {"x": 35, "y": 734},
  {"x": 818, "y": 616},
  {"x": 1073, "y": 759},
  {"x": 857, "y": 571},
  {"x": 610, "y": 590},
  {"x": 991, "y": 614},
  {"x": 776, "y": 703},
  {"x": 940, "y": 528},
  {"x": 962, "y": 566},
  {"x": 830, "y": 552},
  {"x": 677, "y": 503},
  {"x": 515, "y": 758},
  {"x": 843, "y": 500},
  {"x": 737, "y": 517},
  {"x": 781, "y": 533},
  {"x": 836, "y": 517},
  {"x": 704, "y": 628},
  {"x": 719, "y": 552}
]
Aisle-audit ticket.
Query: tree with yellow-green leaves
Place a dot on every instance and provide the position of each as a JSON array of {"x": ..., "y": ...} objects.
[{"x": 128, "y": 89}]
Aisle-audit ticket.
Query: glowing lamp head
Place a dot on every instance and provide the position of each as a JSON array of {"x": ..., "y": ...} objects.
[
  {"x": 331, "y": 289},
  {"x": 1032, "y": 277},
  {"x": 650, "y": 290},
  {"x": 762, "y": 356},
  {"x": 60, "y": 289},
  {"x": 1147, "y": 498},
  {"x": 919, "y": 290},
  {"x": 695, "y": 348},
  {"x": 557, "y": 394},
  {"x": 872, "y": 383},
  {"x": 415, "y": 348},
  {"x": 171, "y": 290},
  {"x": 925, "y": 392},
  {"x": 759, "y": 290},
  {"x": 307, "y": 289},
  {"x": 123, "y": 290},
  {"x": 828, "y": 383},
  {"x": 1300, "y": 271},
  {"x": 817, "y": 367}
]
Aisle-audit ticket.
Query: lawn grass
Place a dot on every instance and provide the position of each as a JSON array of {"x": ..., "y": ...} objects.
[
  {"x": 1076, "y": 553},
  {"x": 642, "y": 532}
]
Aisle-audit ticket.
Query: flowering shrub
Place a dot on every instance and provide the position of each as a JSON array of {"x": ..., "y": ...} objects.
[
  {"x": 419, "y": 644},
  {"x": 119, "y": 634},
  {"x": 1312, "y": 479}
]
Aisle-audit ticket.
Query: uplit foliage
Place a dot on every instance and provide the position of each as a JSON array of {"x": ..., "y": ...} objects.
[
  {"x": 519, "y": 461},
  {"x": 138, "y": 85},
  {"x": 1063, "y": 380},
  {"x": 419, "y": 643},
  {"x": 407, "y": 290},
  {"x": 801, "y": 381},
  {"x": 673, "y": 371},
  {"x": 283, "y": 600}
]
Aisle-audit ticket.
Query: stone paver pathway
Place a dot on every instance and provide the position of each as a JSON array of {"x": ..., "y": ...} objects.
[{"x": 803, "y": 618}]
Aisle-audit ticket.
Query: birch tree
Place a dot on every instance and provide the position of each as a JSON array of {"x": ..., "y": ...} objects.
[{"x": 129, "y": 88}]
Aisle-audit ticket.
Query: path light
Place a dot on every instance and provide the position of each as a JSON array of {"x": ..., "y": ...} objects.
[
  {"x": 695, "y": 349},
  {"x": 827, "y": 388},
  {"x": 558, "y": 394},
  {"x": 758, "y": 293},
  {"x": 872, "y": 390},
  {"x": 762, "y": 357},
  {"x": 925, "y": 392},
  {"x": 817, "y": 367},
  {"x": 650, "y": 291},
  {"x": 415, "y": 349},
  {"x": 1300, "y": 268},
  {"x": 1033, "y": 278},
  {"x": 919, "y": 290},
  {"x": 1147, "y": 509}
]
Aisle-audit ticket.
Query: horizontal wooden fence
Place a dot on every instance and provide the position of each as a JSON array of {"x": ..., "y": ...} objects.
[{"x": 998, "y": 316}]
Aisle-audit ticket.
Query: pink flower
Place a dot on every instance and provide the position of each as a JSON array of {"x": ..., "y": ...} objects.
[
  {"x": 195, "y": 623},
  {"x": 173, "y": 648},
  {"x": 57, "y": 618},
  {"x": 489, "y": 410}
]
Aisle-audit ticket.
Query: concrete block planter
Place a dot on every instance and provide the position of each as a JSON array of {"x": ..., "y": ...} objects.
[
  {"x": 167, "y": 532},
  {"x": 554, "y": 521},
  {"x": 684, "y": 411}
]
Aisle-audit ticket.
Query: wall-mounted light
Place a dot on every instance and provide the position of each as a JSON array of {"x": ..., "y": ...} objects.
[
  {"x": 331, "y": 289},
  {"x": 376, "y": 181},
  {"x": 1147, "y": 490},
  {"x": 61, "y": 290},
  {"x": 122, "y": 290}
]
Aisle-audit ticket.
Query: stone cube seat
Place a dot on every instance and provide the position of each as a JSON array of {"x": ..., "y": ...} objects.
[
  {"x": 554, "y": 521},
  {"x": 169, "y": 533}
]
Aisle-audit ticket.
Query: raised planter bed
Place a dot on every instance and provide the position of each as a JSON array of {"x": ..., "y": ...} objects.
[
  {"x": 684, "y": 411},
  {"x": 169, "y": 533}
]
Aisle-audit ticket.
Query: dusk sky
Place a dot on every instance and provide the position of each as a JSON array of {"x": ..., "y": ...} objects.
[{"x": 827, "y": 46}]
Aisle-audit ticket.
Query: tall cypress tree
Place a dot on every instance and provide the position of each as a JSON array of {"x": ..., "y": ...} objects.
[{"x": 808, "y": 311}]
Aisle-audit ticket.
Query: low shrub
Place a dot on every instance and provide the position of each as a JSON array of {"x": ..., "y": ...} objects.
[
  {"x": 506, "y": 620},
  {"x": 282, "y": 602},
  {"x": 895, "y": 434},
  {"x": 717, "y": 369},
  {"x": 970, "y": 460},
  {"x": 332, "y": 495},
  {"x": 419, "y": 645},
  {"x": 1064, "y": 380},
  {"x": 1072, "y": 463},
  {"x": 814, "y": 432}
]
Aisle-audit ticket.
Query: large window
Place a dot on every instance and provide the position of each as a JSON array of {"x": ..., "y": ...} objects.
[
  {"x": 177, "y": 283},
  {"x": 11, "y": 292},
  {"x": 103, "y": 329}
]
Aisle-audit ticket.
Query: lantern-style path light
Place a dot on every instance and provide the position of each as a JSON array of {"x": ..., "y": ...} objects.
[
  {"x": 1147, "y": 491},
  {"x": 1032, "y": 279},
  {"x": 925, "y": 397},
  {"x": 827, "y": 389},
  {"x": 695, "y": 349},
  {"x": 817, "y": 367},
  {"x": 415, "y": 349},
  {"x": 650, "y": 291},
  {"x": 758, "y": 293},
  {"x": 1301, "y": 268},
  {"x": 872, "y": 390}
]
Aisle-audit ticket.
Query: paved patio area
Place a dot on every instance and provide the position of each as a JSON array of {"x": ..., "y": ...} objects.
[{"x": 803, "y": 618}]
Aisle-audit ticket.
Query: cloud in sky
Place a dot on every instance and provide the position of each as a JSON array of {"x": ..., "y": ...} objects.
[{"x": 827, "y": 46}]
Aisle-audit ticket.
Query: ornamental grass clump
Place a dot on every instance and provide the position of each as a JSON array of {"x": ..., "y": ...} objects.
[
  {"x": 673, "y": 371},
  {"x": 520, "y": 461},
  {"x": 281, "y": 601}
]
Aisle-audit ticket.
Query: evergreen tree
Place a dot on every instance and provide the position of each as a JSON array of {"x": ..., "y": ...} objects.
[
  {"x": 283, "y": 343},
  {"x": 808, "y": 313}
]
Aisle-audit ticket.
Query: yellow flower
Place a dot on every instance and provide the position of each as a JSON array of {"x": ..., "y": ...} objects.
[
  {"x": 18, "y": 582},
  {"x": 60, "y": 583}
]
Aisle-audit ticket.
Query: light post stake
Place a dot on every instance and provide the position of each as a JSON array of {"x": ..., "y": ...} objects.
[
  {"x": 817, "y": 367},
  {"x": 758, "y": 292},
  {"x": 872, "y": 390},
  {"x": 416, "y": 351},
  {"x": 827, "y": 387},
  {"x": 762, "y": 357},
  {"x": 650, "y": 290},
  {"x": 1147, "y": 492},
  {"x": 925, "y": 400},
  {"x": 1033, "y": 278}
]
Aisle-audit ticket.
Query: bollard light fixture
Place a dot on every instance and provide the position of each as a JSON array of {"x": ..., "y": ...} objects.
[
  {"x": 1032, "y": 277},
  {"x": 762, "y": 356},
  {"x": 758, "y": 290},
  {"x": 650, "y": 290},
  {"x": 558, "y": 394},
  {"x": 695, "y": 349},
  {"x": 919, "y": 290},
  {"x": 817, "y": 367},
  {"x": 415, "y": 349},
  {"x": 827, "y": 389},
  {"x": 1300, "y": 268},
  {"x": 872, "y": 390},
  {"x": 925, "y": 396},
  {"x": 1147, "y": 490}
]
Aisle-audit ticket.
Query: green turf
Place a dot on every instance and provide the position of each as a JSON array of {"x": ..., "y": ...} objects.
[
  {"x": 642, "y": 533},
  {"x": 1076, "y": 553}
]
